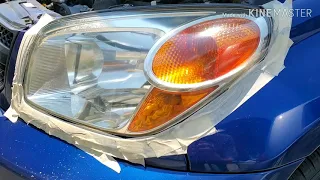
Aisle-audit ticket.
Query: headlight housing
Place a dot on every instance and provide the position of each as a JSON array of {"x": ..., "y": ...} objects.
[{"x": 138, "y": 72}]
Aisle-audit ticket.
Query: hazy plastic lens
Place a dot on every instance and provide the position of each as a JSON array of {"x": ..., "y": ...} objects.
[
  {"x": 139, "y": 73},
  {"x": 95, "y": 78}
]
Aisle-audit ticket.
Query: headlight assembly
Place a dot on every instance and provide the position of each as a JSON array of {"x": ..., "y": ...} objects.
[{"x": 138, "y": 72}]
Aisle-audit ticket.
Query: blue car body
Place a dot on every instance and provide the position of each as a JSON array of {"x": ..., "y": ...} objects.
[{"x": 267, "y": 137}]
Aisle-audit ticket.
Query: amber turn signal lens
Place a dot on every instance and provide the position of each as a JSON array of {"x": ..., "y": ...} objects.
[
  {"x": 206, "y": 51},
  {"x": 161, "y": 106}
]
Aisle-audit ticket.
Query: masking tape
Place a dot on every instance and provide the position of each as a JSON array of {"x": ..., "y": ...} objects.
[{"x": 172, "y": 141}]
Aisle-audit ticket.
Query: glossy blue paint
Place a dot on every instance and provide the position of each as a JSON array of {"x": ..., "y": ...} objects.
[
  {"x": 36, "y": 155},
  {"x": 267, "y": 131},
  {"x": 304, "y": 27}
]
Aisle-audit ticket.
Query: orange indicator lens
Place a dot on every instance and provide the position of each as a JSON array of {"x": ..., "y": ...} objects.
[
  {"x": 161, "y": 106},
  {"x": 199, "y": 53},
  {"x": 206, "y": 50}
]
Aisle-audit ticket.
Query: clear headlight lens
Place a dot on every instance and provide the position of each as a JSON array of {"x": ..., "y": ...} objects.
[
  {"x": 138, "y": 73},
  {"x": 97, "y": 78}
]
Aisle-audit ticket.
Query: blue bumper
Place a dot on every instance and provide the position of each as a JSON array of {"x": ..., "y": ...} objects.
[{"x": 33, "y": 154}]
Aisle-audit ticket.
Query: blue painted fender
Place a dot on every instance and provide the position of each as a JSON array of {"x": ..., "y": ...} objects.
[{"x": 280, "y": 123}]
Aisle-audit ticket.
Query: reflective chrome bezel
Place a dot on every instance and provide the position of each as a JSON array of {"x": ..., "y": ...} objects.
[{"x": 153, "y": 79}]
